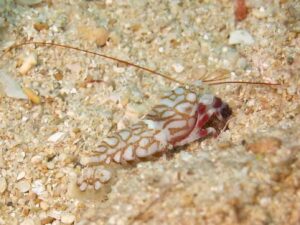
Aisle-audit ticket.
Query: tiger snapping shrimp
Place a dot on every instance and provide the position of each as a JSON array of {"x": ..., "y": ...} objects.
[{"x": 182, "y": 116}]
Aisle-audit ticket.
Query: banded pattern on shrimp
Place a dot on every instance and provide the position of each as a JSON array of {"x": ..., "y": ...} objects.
[
  {"x": 178, "y": 119},
  {"x": 124, "y": 146},
  {"x": 172, "y": 118}
]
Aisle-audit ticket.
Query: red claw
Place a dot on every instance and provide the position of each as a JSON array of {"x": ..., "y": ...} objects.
[
  {"x": 203, "y": 121},
  {"x": 203, "y": 133},
  {"x": 201, "y": 108}
]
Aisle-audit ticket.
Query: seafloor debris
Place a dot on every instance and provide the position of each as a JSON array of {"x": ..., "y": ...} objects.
[
  {"x": 240, "y": 10},
  {"x": 265, "y": 145},
  {"x": 240, "y": 37},
  {"x": 98, "y": 35},
  {"x": 3, "y": 184},
  {"x": 28, "y": 62},
  {"x": 33, "y": 97},
  {"x": 10, "y": 87}
]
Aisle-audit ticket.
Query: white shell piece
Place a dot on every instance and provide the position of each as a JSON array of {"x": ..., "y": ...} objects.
[
  {"x": 56, "y": 136},
  {"x": 240, "y": 37},
  {"x": 10, "y": 87}
]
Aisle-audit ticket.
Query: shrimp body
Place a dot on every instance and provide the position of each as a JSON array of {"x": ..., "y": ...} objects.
[{"x": 181, "y": 117}]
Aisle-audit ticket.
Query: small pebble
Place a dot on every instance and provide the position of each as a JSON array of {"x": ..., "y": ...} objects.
[
  {"x": 10, "y": 87},
  {"x": 50, "y": 165},
  {"x": 242, "y": 63},
  {"x": 265, "y": 201},
  {"x": 28, "y": 63},
  {"x": 29, "y": 2},
  {"x": 23, "y": 186},
  {"x": 260, "y": 13},
  {"x": 38, "y": 187},
  {"x": 3, "y": 185},
  {"x": 40, "y": 26},
  {"x": 2, "y": 22},
  {"x": 224, "y": 144},
  {"x": 161, "y": 49},
  {"x": 67, "y": 218},
  {"x": 114, "y": 38},
  {"x": 33, "y": 97},
  {"x": 20, "y": 157},
  {"x": 32, "y": 196},
  {"x": 58, "y": 75},
  {"x": 47, "y": 220},
  {"x": 36, "y": 159},
  {"x": 240, "y": 10},
  {"x": 240, "y": 37},
  {"x": 185, "y": 156},
  {"x": 55, "y": 214},
  {"x": 265, "y": 145},
  {"x": 178, "y": 67},
  {"x": 118, "y": 69},
  {"x": 56, "y": 136},
  {"x": 98, "y": 35},
  {"x": 21, "y": 175},
  {"x": 27, "y": 222},
  {"x": 44, "y": 206}
]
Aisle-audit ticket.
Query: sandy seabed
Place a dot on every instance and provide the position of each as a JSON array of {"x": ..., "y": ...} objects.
[{"x": 249, "y": 174}]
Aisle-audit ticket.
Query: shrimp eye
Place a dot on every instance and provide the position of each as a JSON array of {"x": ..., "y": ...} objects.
[
  {"x": 225, "y": 111},
  {"x": 217, "y": 102}
]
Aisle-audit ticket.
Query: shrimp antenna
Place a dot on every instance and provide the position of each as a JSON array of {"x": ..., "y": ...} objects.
[
  {"x": 93, "y": 53},
  {"x": 212, "y": 81},
  {"x": 244, "y": 82}
]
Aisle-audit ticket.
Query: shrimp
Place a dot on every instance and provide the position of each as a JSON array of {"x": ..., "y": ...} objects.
[{"x": 182, "y": 116}]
